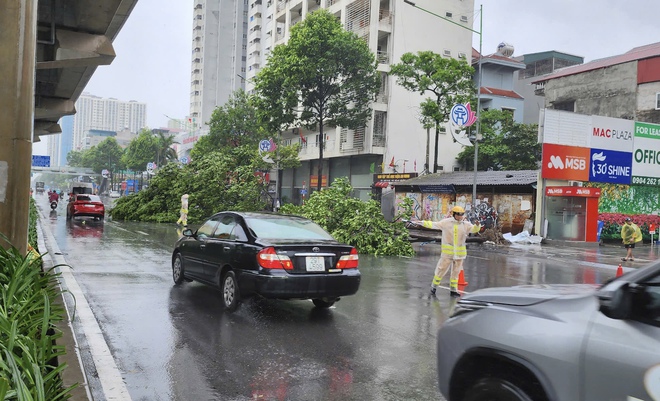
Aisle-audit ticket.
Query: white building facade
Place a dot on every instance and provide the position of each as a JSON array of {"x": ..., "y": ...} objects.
[
  {"x": 218, "y": 60},
  {"x": 108, "y": 114},
  {"x": 394, "y": 140}
]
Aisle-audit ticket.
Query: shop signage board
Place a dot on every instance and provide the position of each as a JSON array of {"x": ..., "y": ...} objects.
[
  {"x": 573, "y": 191},
  {"x": 565, "y": 162},
  {"x": 611, "y": 133},
  {"x": 610, "y": 166},
  {"x": 646, "y": 154}
]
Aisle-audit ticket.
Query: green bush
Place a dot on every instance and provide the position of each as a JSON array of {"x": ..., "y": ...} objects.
[
  {"x": 32, "y": 225},
  {"x": 354, "y": 222},
  {"x": 29, "y": 369}
]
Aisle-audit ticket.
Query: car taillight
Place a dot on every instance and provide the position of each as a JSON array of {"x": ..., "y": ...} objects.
[
  {"x": 269, "y": 259},
  {"x": 349, "y": 261}
]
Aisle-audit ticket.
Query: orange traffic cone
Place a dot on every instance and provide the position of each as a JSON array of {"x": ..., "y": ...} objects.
[
  {"x": 461, "y": 279},
  {"x": 619, "y": 270}
]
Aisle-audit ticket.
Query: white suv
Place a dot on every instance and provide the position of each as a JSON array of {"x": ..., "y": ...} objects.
[{"x": 555, "y": 342}]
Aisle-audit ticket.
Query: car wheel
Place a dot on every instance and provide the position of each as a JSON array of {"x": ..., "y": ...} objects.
[
  {"x": 495, "y": 389},
  {"x": 177, "y": 269},
  {"x": 324, "y": 303},
  {"x": 230, "y": 292}
]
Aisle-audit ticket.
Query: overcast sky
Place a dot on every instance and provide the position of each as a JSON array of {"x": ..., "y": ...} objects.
[{"x": 154, "y": 46}]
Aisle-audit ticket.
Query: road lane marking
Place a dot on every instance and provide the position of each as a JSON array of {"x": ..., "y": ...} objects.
[
  {"x": 108, "y": 373},
  {"x": 141, "y": 232}
]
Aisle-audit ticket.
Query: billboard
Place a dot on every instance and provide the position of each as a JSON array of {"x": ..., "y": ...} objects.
[
  {"x": 611, "y": 133},
  {"x": 565, "y": 162},
  {"x": 610, "y": 166},
  {"x": 646, "y": 154}
]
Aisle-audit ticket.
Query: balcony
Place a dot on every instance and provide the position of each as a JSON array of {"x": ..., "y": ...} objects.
[
  {"x": 383, "y": 57},
  {"x": 254, "y": 35},
  {"x": 385, "y": 20}
]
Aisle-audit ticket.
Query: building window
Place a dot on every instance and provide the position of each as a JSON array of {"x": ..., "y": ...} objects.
[
  {"x": 566, "y": 106},
  {"x": 457, "y": 168},
  {"x": 448, "y": 14},
  {"x": 509, "y": 110},
  {"x": 657, "y": 101}
]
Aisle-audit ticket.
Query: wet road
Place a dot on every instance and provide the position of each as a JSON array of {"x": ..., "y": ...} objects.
[{"x": 175, "y": 343}]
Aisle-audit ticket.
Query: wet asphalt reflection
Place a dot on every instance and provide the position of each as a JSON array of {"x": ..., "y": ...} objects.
[{"x": 175, "y": 342}]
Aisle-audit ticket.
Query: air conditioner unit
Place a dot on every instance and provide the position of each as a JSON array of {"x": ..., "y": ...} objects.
[
  {"x": 464, "y": 18},
  {"x": 462, "y": 55},
  {"x": 575, "y": 183}
]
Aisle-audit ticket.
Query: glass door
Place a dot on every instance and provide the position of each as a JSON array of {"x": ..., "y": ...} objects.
[{"x": 566, "y": 218}]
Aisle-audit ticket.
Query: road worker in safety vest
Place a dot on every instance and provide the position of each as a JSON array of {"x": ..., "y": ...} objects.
[{"x": 455, "y": 231}]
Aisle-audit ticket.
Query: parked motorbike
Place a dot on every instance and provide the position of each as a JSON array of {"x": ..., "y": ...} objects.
[{"x": 53, "y": 205}]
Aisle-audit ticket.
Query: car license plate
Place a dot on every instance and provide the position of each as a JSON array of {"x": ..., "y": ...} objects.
[{"x": 315, "y": 263}]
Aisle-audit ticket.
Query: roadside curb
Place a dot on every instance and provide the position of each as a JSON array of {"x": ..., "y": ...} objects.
[
  {"x": 74, "y": 373},
  {"x": 86, "y": 335}
]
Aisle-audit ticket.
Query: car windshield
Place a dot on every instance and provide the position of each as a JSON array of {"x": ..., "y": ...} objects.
[
  {"x": 293, "y": 228},
  {"x": 88, "y": 198}
]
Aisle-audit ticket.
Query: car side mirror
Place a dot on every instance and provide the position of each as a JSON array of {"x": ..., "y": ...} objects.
[
  {"x": 187, "y": 232},
  {"x": 616, "y": 302}
]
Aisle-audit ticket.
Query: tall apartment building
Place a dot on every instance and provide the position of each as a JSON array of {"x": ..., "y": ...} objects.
[
  {"x": 93, "y": 112},
  {"x": 394, "y": 139},
  {"x": 59, "y": 145},
  {"x": 218, "y": 56}
]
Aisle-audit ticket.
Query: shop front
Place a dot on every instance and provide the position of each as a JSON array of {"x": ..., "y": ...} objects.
[{"x": 571, "y": 213}]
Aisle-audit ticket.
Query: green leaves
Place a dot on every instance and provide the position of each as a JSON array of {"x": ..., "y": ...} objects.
[
  {"x": 448, "y": 81},
  {"x": 353, "y": 221},
  {"x": 215, "y": 181},
  {"x": 324, "y": 75},
  {"x": 503, "y": 137},
  {"x": 28, "y": 317}
]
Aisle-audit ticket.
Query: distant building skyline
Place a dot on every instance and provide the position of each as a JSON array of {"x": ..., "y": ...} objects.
[
  {"x": 219, "y": 45},
  {"x": 108, "y": 114}
]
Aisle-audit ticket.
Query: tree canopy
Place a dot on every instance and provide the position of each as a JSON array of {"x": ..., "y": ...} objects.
[
  {"x": 149, "y": 147},
  {"x": 324, "y": 75},
  {"x": 505, "y": 144},
  {"x": 447, "y": 80}
]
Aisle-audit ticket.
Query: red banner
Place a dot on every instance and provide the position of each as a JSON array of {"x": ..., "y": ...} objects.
[
  {"x": 565, "y": 162},
  {"x": 314, "y": 181},
  {"x": 573, "y": 191}
]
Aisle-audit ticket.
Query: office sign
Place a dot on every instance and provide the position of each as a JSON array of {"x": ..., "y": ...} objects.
[
  {"x": 646, "y": 154},
  {"x": 610, "y": 166},
  {"x": 565, "y": 162}
]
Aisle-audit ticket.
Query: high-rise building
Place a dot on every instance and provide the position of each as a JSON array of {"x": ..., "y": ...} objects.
[
  {"x": 93, "y": 112},
  {"x": 218, "y": 56},
  {"x": 394, "y": 140}
]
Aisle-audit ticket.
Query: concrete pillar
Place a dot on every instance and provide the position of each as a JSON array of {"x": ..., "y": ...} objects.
[{"x": 18, "y": 27}]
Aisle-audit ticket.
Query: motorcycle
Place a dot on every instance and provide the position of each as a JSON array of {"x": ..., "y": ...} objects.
[{"x": 53, "y": 205}]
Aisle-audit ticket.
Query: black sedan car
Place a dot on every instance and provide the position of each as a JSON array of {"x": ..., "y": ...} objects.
[{"x": 266, "y": 254}]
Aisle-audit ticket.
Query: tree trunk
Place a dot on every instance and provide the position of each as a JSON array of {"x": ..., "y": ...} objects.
[{"x": 320, "y": 167}]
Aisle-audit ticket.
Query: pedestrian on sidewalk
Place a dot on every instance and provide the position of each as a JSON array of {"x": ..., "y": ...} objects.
[
  {"x": 455, "y": 231},
  {"x": 183, "y": 217},
  {"x": 630, "y": 235}
]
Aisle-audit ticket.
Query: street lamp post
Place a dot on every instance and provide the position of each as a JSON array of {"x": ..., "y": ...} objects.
[{"x": 479, "y": 74}]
